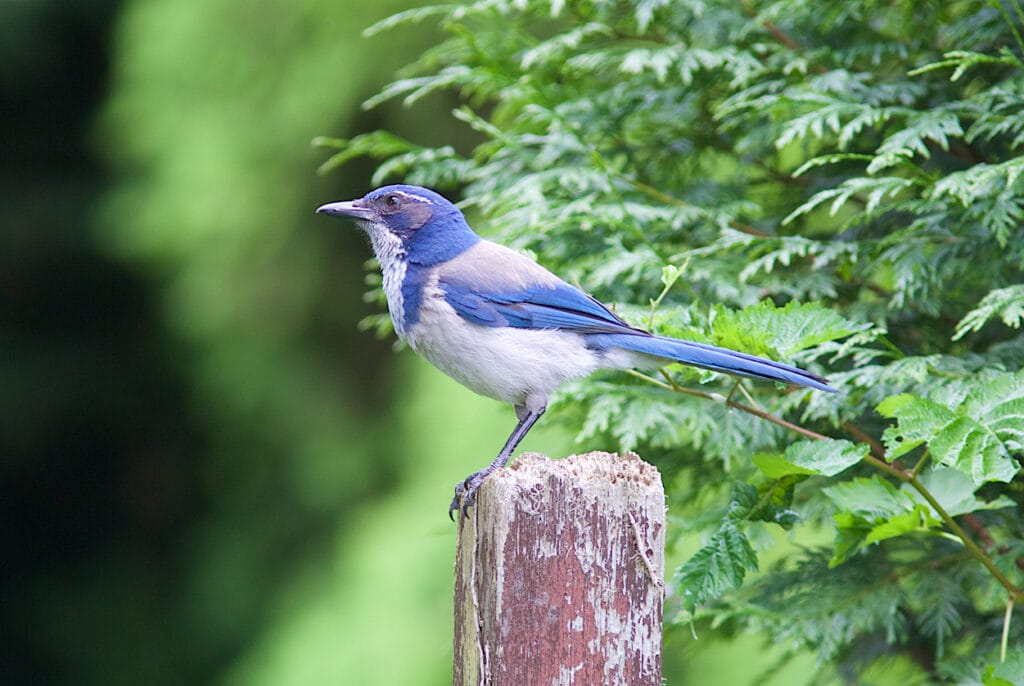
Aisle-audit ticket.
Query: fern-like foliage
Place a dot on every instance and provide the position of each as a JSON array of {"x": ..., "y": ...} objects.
[{"x": 838, "y": 184}]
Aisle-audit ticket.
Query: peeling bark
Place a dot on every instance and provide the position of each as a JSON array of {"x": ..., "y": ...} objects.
[{"x": 559, "y": 575}]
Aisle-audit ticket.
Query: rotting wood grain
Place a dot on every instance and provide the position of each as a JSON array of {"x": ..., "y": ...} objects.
[{"x": 559, "y": 575}]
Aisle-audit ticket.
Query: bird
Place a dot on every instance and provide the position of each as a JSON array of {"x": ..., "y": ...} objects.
[{"x": 501, "y": 324}]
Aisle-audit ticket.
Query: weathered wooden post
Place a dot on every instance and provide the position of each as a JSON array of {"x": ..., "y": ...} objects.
[{"x": 559, "y": 575}]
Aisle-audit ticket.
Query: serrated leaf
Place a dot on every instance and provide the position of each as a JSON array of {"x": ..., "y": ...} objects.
[
  {"x": 869, "y": 510},
  {"x": 822, "y": 457},
  {"x": 775, "y": 465},
  {"x": 917, "y": 422},
  {"x": 744, "y": 498},
  {"x": 871, "y": 499},
  {"x": 763, "y": 328},
  {"x": 777, "y": 499},
  {"x": 893, "y": 404},
  {"x": 720, "y": 565},
  {"x": 726, "y": 558},
  {"x": 955, "y": 492},
  {"x": 1010, "y": 671},
  {"x": 1005, "y": 303},
  {"x": 975, "y": 435},
  {"x": 917, "y": 520},
  {"x": 969, "y": 446}
]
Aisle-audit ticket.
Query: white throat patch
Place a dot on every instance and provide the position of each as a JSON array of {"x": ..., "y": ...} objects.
[{"x": 391, "y": 255}]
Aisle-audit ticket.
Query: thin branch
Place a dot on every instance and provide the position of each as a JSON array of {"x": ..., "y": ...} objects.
[
  {"x": 975, "y": 550},
  {"x": 719, "y": 398},
  {"x": 1006, "y": 630},
  {"x": 981, "y": 531},
  {"x": 975, "y": 525},
  {"x": 781, "y": 36},
  {"x": 920, "y": 463},
  {"x": 876, "y": 448}
]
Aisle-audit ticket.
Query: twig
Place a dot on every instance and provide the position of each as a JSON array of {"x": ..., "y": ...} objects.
[
  {"x": 719, "y": 398},
  {"x": 973, "y": 547},
  {"x": 781, "y": 36},
  {"x": 1006, "y": 630},
  {"x": 876, "y": 448}
]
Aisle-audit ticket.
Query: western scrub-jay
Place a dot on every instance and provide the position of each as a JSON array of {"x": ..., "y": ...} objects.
[{"x": 501, "y": 324}]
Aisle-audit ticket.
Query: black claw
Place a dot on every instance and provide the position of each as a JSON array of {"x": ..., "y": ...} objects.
[
  {"x": 465, "y": 494},
  {"x": 460, "y": 494}
]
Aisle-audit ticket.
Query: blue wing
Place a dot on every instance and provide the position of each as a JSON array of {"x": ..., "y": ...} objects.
[
  {"x": 556, "y": 306},
  {"x": 522, "y": 295}
]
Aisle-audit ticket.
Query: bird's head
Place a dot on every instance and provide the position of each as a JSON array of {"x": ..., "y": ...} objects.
[{"x": 414, "y": 222}]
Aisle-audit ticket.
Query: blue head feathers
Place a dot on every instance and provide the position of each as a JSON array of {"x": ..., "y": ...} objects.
[{"x": 429, "y": 228}]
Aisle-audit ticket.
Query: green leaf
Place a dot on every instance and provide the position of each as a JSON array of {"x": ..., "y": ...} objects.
[
  {"x": 965, "y": 59},
  {"x": 744, "y": 498},
  {"x": 777, "y": 499},
  {"x": 976, "y": 433},
  {"x": 918, "y": 422},
  {"x": 767, "y": 329},
  {"x": 670, "y": 273},
  {"x": 378, "y": 144},
  {"x": 893, "y": 404},
  {"x": 410, "y": 16},
  {"x": 992, "y": 678},
  {"x": 869, "y": 510},
  {"x": 723, "y": 562},
  {"x": 822, "y": 457},
  {"x": 1005, "y": 303},
  {"x": 917, "y": 520},
  {"x": 1007, "y": 673},
  {"x": 915, "y": 136},
  {"x": 717, "y": 567},
  {"x": 775, "y": 465},
  {"x": 875, "y": 190},
  {"x": 955, "y": 492},
  {"x": 871, "y": 499}
]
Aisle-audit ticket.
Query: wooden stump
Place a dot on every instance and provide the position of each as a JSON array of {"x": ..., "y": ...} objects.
[{"x": 559, "y": 574}]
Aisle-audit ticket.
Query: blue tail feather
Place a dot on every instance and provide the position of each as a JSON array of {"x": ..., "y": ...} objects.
[{"x": 715, "y": 359}]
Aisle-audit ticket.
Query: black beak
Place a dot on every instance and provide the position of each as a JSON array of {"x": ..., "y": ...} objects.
[{"x": 349, "y": 208}]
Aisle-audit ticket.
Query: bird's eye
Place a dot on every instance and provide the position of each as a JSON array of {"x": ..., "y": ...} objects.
[{"x": 392, "y": 200}]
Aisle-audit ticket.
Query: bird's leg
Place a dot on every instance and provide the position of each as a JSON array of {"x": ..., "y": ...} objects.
[{"x": 465, "y": 491}]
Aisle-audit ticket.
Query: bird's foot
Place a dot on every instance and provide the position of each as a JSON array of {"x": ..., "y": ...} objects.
[{"x": 465, "y": 492}]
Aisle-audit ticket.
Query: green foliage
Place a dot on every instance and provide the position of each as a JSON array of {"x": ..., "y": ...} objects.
[
  {"x": 872, "y": 510},
  {"x": 824, "y": 458},
  {"x": 976, "y": 430},
  {"x": 834, "y": 184},
  {"x": 726, "y": 558},
  {"x": 1006, "y": 303}
]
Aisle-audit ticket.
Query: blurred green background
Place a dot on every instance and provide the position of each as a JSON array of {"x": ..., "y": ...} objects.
[{"x": 210, "y": 475}]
